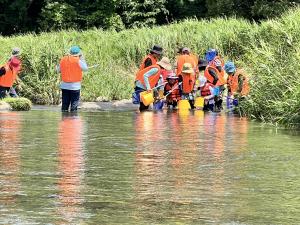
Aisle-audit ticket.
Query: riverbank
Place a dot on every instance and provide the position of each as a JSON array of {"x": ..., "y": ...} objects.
[
  {"x": 268, "y": 51},
  {"x": 122, "y": 105}
]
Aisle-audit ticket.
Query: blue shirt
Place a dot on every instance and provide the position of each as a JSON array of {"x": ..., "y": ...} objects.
[
  {"x": 147, "y": 75},
  {"x": 73, "y": 85}
]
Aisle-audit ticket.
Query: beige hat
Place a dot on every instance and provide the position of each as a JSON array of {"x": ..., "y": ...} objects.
[
  {"x": 187, "y": 68},
  {"x": 185, "y": 49},
  {"x": 165, "y": 63},
  {"x": 202, "y": 81}
]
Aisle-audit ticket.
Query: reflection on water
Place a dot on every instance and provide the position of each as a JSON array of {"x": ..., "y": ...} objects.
[
  {"x": 10, "y": 126},
  {"x": 71, "y": 166},
  {"x": 185, "y": 167}
]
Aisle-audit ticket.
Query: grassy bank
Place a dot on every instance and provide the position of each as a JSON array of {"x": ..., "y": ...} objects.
[
  {"x": 18, "y": 104},
  {"x": 269, "y": 52}
]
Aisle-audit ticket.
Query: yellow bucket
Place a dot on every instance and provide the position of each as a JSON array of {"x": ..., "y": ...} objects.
[
  {"x": 147, "y": 98},
  {"x": 199, "y": 102},
  {"x": 184, "y": 104}
]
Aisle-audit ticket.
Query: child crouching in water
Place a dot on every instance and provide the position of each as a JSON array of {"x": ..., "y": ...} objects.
[
  {"x": 172, "y": 91},
  {"x": 207, "y": 92}
]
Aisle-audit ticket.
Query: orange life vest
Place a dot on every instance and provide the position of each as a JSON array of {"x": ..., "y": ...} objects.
[
  {"x": 70, "y": 69},
  {"x": 188, "y": 82},
  {"x": 213, "y": 64},
  {"x": 175, "y": 94},
  {"x": 151, "y": 57},
  {"x": 205, "y": 90},
  {"x": 182, "y": 59},
  {"x": 153, "y": 79},
  {"x": 8, "y": 79},
  {"x": 210, "y": 79},
  {"x": 233, "y": 83}
]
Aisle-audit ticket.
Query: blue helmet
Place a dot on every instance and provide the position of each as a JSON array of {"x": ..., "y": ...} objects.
[
  {"x": 211, "y": 54},
  {"x": 229, "y": 67}
]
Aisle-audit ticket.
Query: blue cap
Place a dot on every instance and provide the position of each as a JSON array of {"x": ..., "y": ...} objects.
[
  {"x": 210, "y": 54},
  {"x": 229, "y": 67},
  {"x": 74, "y": 50}
]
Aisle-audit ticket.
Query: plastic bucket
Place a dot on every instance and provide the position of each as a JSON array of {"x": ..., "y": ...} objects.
[
  {"x": 199, "y": 102},
  {"x": 147, "y": 98},
  {"x": 184, "y": 104}
]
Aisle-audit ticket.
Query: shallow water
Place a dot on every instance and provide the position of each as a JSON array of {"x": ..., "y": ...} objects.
[{"x": 146, "y": 168}]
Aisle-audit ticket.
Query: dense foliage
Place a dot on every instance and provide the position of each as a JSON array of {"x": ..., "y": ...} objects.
[
  {"x": 19, "y": 16},
  {"x": 269, "y": 51}
]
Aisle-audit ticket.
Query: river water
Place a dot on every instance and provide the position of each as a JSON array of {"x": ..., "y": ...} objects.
[{"x": 146, "y": 168}]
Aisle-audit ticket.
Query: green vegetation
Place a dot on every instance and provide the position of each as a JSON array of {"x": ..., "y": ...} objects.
[
  {"x": 21, "y": 16},
  {"x": 18, "y": 104},
  {"x": 269, "y": 51}
]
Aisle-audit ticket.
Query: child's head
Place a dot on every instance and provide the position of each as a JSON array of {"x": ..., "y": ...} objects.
[
  {"x": 202, "y": 81},
  {"x": 229, "y": 68},
  {"x": 172, "y": 78}
]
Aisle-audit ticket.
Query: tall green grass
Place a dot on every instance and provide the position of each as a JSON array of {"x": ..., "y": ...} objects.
[{"x": 268, "y": 51}]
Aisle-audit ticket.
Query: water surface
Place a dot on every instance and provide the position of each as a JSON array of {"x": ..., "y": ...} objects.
[{"x": 146, "y": 168}]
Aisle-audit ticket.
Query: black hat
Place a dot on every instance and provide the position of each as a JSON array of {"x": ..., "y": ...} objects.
[
  {"x": 156, "y": 49},
  {"x": 202, "y": 63}
]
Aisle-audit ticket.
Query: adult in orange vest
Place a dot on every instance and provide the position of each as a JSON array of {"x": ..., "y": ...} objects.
[
  {"x": 149, "y": 78},
  {"x": 188, "y": 79},
  {"x": 152, "y": 58},
  {"x": 186, "y": 57},
  {"x": 8, "y": 75},
  {"x": 71, "y": 68},
  {"x": 237, "y": 83}
]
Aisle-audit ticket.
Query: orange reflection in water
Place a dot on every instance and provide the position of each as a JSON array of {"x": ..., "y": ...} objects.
[
  {"x": 10, "y": 126},
  {"x": 181, "y": 158},
  {"x": 71, "y": 166}
]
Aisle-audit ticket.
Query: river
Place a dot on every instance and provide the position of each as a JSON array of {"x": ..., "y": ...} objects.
[{"x": 146, "y": 168}]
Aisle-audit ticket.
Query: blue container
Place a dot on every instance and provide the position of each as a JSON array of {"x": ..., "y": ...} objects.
[
  {"x": 235, "y": 102},
  {"x": 158, "y": 105},
  {"x": 229, "y": 103}
]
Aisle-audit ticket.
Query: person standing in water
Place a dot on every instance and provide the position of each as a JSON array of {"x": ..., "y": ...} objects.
[{"x": 71, "y": 68}]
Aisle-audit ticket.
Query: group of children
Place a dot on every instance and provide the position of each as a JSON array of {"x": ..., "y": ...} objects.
[{"x": 191, "y": 78}]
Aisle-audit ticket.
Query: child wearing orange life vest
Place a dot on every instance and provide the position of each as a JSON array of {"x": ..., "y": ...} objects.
[
  {"x": 237, "y": 80},
  {"x": 188, "y": 79},
  {"x": 206, "y": 90},
  {"x": 172, "y": 91}
]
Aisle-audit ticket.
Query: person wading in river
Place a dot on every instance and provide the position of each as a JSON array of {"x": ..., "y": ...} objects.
[
  {"x": 148, "y": 78},
  {"x": 8, "y": 75},
  {"x": 71, "y": 68}
]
